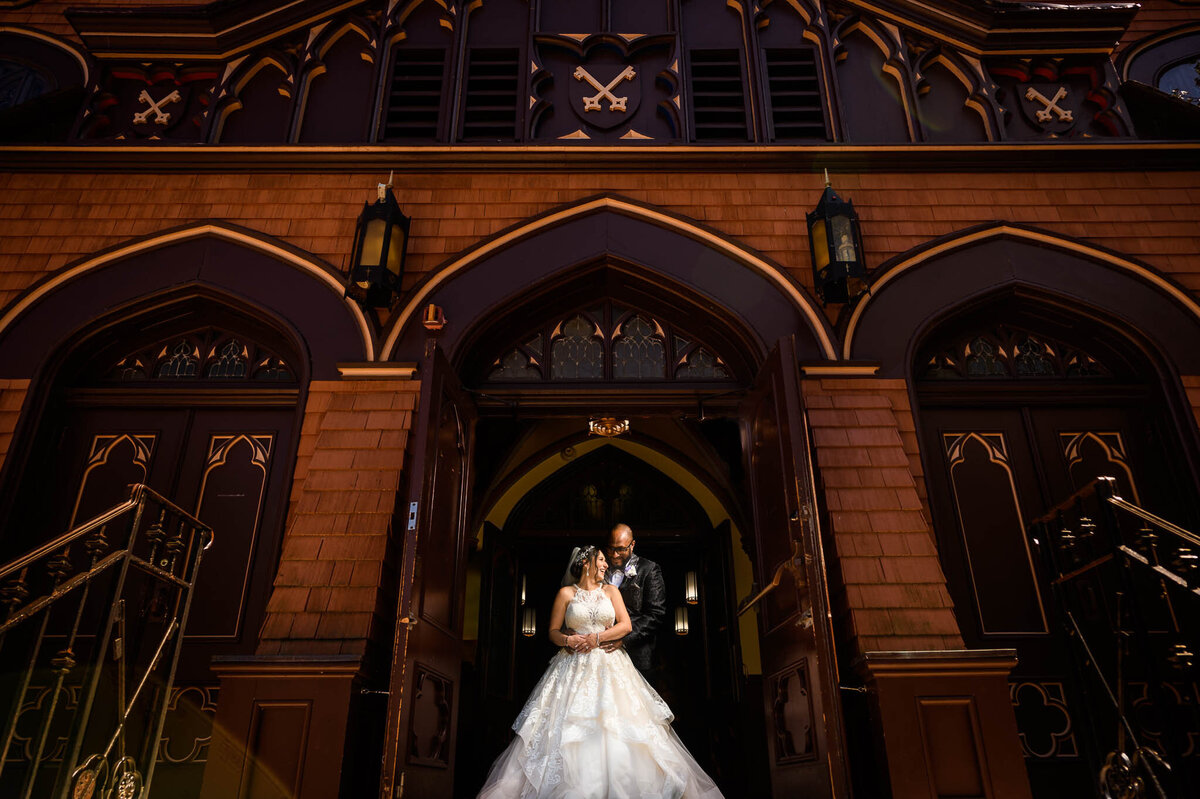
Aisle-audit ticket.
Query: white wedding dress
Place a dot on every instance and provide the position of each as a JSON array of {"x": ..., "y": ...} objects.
[{"x": 593, "y": 728}]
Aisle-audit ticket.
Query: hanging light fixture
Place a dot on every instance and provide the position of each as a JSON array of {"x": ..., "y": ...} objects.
[
  {"x": 380, "y": 247},
  {"x": 528, "y": 622},
  {"x": 608, "y": 427},
  {"x": 839, "y": 270},
  {"x": 681, "y": 620},
  {"x": 691, "y": 588}
]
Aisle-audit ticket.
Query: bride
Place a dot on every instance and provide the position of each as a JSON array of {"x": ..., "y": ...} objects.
[{"x": 593, "y": 728}]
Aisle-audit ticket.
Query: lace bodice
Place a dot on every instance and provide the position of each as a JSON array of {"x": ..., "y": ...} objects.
[{"x": 590, "y": 611}]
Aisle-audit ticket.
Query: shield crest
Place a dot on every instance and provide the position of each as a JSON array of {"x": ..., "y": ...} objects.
[
  {"x": 1049, "y": 106},
  {"x": 605, "y": 95}
]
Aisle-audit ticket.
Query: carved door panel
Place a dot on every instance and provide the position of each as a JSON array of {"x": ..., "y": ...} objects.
[
  {"x": 221, "y": 465},
  {"x": 426, "y": 665},
  {"x": 106, "y": 451},
  {"x": 991, "y": 472},
  {"x": 799, "y": 673}
]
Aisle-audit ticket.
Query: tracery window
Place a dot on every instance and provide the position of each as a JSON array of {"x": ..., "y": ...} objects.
[
  {"x": 210, "y": 354},
  {"x": 608, "y": 342},
  {"x": 20, "y": 83},
  {"x": 1182, "y": 80},
  {"x": 1009, "y": 353}
]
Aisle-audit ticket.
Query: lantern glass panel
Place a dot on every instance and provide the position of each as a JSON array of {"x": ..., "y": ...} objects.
[
  {"x": 395, "y": 251},
  {"x": 820, "y": 245},
  {"x": 681, "y": 621},
  {"x": 843, "y": 239},
  {"x": 372, "y": 244},
  {"x": 529, "y": 622},
  {"x": 691, "y": 588}
]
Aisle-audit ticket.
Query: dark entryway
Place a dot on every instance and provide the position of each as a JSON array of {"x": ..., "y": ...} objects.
[{"x": 699, "y": 674}]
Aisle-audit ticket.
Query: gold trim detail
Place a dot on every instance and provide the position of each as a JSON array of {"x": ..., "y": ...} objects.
[
  {"x": 997, "y": 453},
  {"x": 1019, "y": 233},
  {"x": 219, "y": 447},
  {"x": 840, "y": 370},
  {"x": 773, "y": 275},
  {"x": 102, "y": 446},
  {"x": 155, "y": 242},
  {"x": 373, "y": 371}
]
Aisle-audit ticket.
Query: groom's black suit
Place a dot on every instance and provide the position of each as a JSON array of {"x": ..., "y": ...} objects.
[{"x": 645, "y": 596}]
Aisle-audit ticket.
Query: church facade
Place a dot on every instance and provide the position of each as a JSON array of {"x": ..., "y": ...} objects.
[{"x": 603, "y": 296}]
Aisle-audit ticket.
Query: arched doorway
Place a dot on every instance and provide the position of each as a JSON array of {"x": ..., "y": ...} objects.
[
  {"x": 1023, "y": 401},
  {"x": 197, "y": 397},
  {"x": 520, "y": 562},
  {"x": 612, "y": 309}
]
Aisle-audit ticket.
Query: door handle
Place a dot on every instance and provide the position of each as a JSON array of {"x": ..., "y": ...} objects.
[{"x": 792, "y": 565}]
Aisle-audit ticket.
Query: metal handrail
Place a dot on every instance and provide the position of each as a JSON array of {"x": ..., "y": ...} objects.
[
  {"x": 136, "y": 496},
  {"x": 168, "y": 551},
  {"x": 1157, "y": 521}
]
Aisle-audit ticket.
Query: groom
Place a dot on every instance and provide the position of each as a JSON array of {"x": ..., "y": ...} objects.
[{"x": 641, "y": 584}]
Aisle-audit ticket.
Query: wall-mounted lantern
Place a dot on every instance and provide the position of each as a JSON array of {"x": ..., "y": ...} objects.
[
  {"x": 839, "y": 270},
  {"x": 681, "y": 620},
  {"x": 528, "y": 622},
  {"x": 691, "y": 588},
  {"x": 380, "y": 247}
]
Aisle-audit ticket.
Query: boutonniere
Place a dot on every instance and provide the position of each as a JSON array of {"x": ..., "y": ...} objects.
[{"x": 631, "y": 571}]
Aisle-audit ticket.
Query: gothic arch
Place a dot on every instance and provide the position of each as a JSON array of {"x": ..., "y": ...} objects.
[
  {"x": 659, "y": 243},
  {"x": 221, "y": 257},
  {"x": 316, "y": 76},
  {"x": 968, "y": 72},
  {"x": 44, "y": 39},
  {"x": 922, "y": 285},
  {"x": 244, "y": 73}
]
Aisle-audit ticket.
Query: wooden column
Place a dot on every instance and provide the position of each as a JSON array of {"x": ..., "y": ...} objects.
[{"x": 944, "y": 723}]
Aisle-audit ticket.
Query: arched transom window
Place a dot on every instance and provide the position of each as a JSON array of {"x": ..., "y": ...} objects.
[
  {"x": 202, "y": 355},
  {"x": 1002, "y": 352},
  {"x": 608, "y": 342}
]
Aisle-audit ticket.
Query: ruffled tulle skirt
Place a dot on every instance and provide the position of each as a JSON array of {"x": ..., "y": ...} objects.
[{"x": 593, "y": 728}]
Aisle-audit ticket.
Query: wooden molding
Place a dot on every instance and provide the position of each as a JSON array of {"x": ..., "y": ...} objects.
[
  {"x": 1103, "y": 156},
  {"x": 377, "y": 371}
]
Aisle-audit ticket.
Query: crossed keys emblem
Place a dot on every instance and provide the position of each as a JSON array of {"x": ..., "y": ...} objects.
[
  {"x": 1050, "y": 105},
  {"x": 161, "y": 117},
  {"x": 614, "y": 103}
]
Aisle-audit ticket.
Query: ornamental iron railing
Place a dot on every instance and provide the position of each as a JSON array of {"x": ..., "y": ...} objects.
[
  {"x": 1126, "y": 585},
  {"x": 90, "y": 640}
]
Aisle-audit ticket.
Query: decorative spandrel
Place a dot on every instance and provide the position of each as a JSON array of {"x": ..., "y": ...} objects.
[
  {"x": 209, "y": 355},
  {"x": 1008, "y": 353},
  {"x": 608, "y": 342}
]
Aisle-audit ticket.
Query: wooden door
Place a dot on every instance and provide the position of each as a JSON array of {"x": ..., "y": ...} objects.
[
  {"x": 803, "y": 713},
  {"x": 427, "y": 658},
  {"x": 992, "y": 470}
]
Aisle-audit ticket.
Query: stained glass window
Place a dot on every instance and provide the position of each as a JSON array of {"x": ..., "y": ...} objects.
[
  {"x": 639, "y": 353},
  {"x": 701, "y": 364},
  {"x": 1008, "y": 352},
  {"x": 515, "y": 366},
  {"x": 20, "y": 83},
  {"x": 1033, "y": 357},
  {"x": 577, "y": 351},
  {"x": 210, "y": 354},
  {"x": 230, "y": 362},
  {"x": 982, "y": 359},
  {"x": 608, "y": 341},
  {"x": 183, "y": 361}
]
